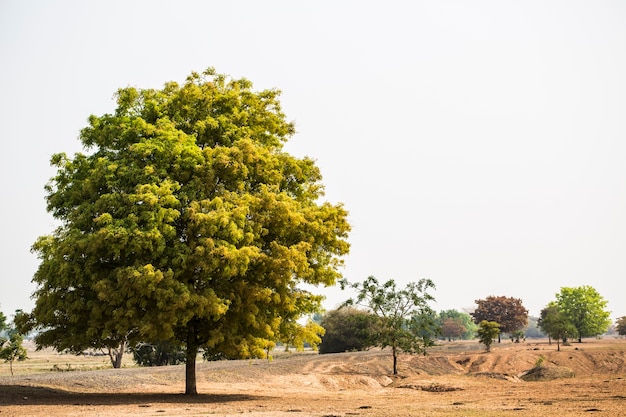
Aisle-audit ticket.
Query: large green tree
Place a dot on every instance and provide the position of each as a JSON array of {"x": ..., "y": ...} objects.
[
  {"x": 584, "y": 308},
  {"x": 508, "y": 312},
  {"x": 405, "y": 321},
  {"x": 185, "y": 221}
]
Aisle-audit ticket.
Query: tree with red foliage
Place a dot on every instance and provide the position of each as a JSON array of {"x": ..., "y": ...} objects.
[{"x": 508, "y": 312}]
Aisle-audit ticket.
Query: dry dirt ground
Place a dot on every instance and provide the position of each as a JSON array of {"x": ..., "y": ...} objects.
[{"x": 454, "y": 379}]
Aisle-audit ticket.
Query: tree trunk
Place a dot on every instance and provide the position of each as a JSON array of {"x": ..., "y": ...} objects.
[
  {"x": 11, "y": 367},
  {"x": 190, "y": 370},
  {"x": 117, "y": 360},
  {"x": 115, "y": 355},
  {"x": 395, "y": 360},
  {"x": 190, "y": 360}
]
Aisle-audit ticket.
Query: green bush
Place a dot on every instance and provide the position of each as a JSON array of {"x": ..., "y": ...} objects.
[
  {"x": 347, "y": 329},
  {"x": 158, "y": 354}
]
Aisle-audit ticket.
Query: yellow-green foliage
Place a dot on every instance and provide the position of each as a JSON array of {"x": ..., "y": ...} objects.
[{"x": 186, "y": 221}]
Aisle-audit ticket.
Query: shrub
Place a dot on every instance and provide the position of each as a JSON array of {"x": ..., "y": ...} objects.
[
  {"x": 158, "y": 354},
  {"x": 347, "y": 329}
]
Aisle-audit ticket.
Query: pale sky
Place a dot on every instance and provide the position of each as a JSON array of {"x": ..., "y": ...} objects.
[{"x": 481, "y": 144}]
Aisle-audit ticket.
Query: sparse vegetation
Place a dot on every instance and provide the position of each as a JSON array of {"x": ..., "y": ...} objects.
[{"x": 540, "y": 361}]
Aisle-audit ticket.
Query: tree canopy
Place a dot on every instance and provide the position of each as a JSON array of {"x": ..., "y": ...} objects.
[
  {"x": 405, "y": 322},
  {"x": 185, "y": 222},
  {"x": 584, "y": 308},
  {"x": 508, "y": 312}
]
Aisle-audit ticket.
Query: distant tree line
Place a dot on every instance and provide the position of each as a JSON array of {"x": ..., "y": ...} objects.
[
  {"x": 384, "y": 315},
  {"x": 576, "y": 313}
]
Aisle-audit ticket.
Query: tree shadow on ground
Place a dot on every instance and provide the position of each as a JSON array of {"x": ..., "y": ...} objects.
[{"x": 33, "y": 395}]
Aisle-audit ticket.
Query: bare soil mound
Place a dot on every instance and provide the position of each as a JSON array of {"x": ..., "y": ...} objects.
[{"x": 546, "y": 373}]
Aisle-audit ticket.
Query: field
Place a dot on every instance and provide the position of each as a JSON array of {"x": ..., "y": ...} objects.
[{"x": 454, "y": 379}]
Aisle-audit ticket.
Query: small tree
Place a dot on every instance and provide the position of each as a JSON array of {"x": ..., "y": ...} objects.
[
  {"x": 556, "y": 324},
  {"x": 12, "y": 349},
  {"x": 620, "y": 326},
  {"x": 394, "y": 309},
  {"x": 487, "y": 332},
  {"x": 347, "y": 329}
]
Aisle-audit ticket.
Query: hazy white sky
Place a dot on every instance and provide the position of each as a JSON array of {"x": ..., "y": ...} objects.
[{"x": 480, "y": 144}]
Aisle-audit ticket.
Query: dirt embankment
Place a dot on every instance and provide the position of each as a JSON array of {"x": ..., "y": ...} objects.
[{"x": 454, "y": 379}]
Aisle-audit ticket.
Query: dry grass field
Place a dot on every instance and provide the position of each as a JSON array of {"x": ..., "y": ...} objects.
[{"x": 454, "y": 379}]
